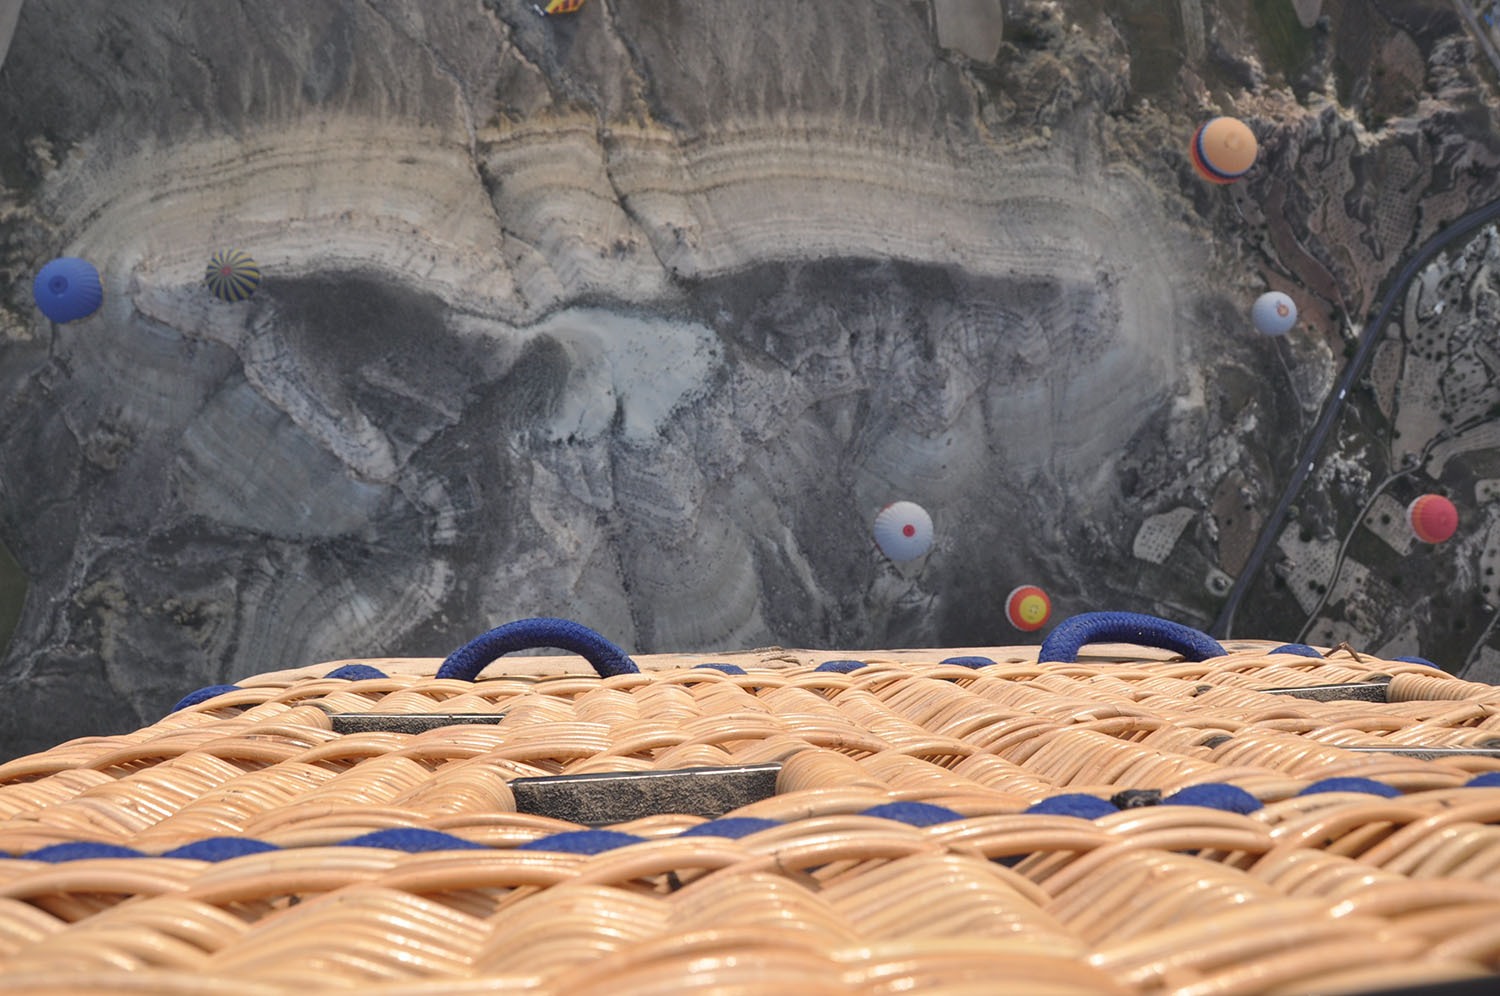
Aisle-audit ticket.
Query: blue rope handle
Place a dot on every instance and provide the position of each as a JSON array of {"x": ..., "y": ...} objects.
[
  {"x": 1064, "y": 642},
  {"x": 529, "y": 634}
]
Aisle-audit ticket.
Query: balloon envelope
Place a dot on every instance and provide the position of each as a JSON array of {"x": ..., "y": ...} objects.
[
  {"x": 232, "y": 275},
  {"x": 903, "y": 530},
  {"x": 68, "y": 289},
  {"x": 1028, "y": 607},
  {"x": 1223, "y": 150},
  {"x": 1433, "y": 518},
  {"x": 1274, "y": 313}
]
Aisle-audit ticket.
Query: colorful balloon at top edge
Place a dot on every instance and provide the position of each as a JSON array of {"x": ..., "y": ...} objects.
[
  {"x": 1432, "y": 518},
  {"x": 1028, "y": 607},
  {"x": 68, "y": 289},
  {"x": 1223, "y": 150},
  {"x": 903, "y": 531},
  {"x": 558, "y": 7},
  {"x": 231, "y": 275},
  {"x": 1274, "y": 313}
]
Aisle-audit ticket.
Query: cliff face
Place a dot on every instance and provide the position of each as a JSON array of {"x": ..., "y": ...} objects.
[{"x": 635, "y": 317}]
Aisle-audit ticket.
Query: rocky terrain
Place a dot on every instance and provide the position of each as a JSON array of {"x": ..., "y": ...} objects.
[
  {"x": 1426, "y": 420},
  {"x": 638, "y": 316}
]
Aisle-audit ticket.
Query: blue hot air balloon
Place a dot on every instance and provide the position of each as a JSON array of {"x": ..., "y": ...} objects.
[{"x": 68, "y": 289}]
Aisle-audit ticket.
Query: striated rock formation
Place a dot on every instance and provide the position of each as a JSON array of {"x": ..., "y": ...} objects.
[{"x": 638, "y": 317}]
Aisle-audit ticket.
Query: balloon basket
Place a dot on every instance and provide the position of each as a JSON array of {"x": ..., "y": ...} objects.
[{"x": 773, "y": 821}]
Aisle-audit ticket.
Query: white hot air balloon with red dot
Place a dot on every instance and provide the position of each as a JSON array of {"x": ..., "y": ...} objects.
[
  {"x": 903, "y": 530},
  {"x": 1274, "y": 313}
]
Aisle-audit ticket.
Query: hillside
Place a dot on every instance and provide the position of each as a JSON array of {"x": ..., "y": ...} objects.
[{"x": 638, "y": 316}]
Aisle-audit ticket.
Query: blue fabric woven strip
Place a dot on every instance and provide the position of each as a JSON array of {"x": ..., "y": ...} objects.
[
  {"x": 581, "y": 841},
  {"x": 733, "y": 827},
  {"x": 80, "y": 850},
  {"x": 356, "y": 672},
  {"x": 840, "y": 667},
  {"x": 726, "y": 668},
  {"x": 413, "y": 840},
  {"x": 530, "y": 634},
  {"x": 918, "y": 814},
  {"x": 1085, "y": 807},
  {"x": 1300, "y": 649},
  {"x": 1351, "y": 785},
  {"x": 1215, "y": 795},
  {"x": 220, "y": 849},
  {"x": 1418, "y": 660},
  {"x": 203, "y": 695},
  {"x": 968, "y": 661},
  {"x": 1064, "y": 642}
]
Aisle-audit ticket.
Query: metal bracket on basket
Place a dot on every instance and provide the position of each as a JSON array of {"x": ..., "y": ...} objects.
[
  {"x": 1376, "y": 691},
  {"x": 1360, "y": 691},
  {"x": 1430, "y": 753},
  {"x": 620, "y": 796},
  {"x": 407, "y": 722}
]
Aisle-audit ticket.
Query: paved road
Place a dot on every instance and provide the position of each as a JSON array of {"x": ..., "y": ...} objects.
[
  {"x": 1458, "y": 230},
  {"x": 1466, "y": 11}
]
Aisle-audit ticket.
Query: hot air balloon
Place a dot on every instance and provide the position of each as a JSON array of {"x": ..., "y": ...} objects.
[
  {"x": 232, "y": 275},
  {"x": 1432, "y": 517},
  {"x": 1223, "y": 150},
  {"x": 1274, "y": 313},
  {"x": 1028, "y": 607},
  {"x": 903, "y": 530},
  {"x": 68, "y": 289},
  {"x": 557, "y": 7}
]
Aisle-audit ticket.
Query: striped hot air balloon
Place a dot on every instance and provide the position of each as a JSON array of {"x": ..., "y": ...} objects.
[
  {"x": 558, "y": 7},
  {"x": 1432, "y": 518},
  {"x": 1028, "y": 608},
  {"x": 1223, "y": 150},
  {"x": 68, "y": 289},
  {"x": 903, "y": 530},
  {"x": 232, "y": 275}
]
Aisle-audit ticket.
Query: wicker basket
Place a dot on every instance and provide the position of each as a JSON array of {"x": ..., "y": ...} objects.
[{"x": 1112, "y": 820}]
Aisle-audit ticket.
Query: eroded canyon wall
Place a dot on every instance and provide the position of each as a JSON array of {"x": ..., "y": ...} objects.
[{"x": 635, "y": 317}]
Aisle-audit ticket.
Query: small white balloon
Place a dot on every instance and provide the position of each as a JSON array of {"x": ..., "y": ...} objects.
[
  {"x": 1274, "y": 313},
  {"x": 903, "y": 530}
]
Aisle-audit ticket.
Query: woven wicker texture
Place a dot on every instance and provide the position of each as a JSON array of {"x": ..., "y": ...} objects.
[{"x": 1259, "y": 877}]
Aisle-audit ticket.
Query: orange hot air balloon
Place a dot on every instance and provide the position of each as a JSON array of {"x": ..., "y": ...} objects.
[
  {"x": 1223, "y": 150},
  {"x": 1028, "y": 607},
  {"x": 1433, "y": 518}
]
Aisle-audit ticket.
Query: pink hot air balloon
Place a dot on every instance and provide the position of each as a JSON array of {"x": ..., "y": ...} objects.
[{"x": 1433, "y": 518}]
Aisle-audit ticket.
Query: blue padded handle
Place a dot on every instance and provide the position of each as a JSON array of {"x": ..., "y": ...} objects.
[
  {"x": 1064, "y": 642},
  {"x": 530, "y": 634}
]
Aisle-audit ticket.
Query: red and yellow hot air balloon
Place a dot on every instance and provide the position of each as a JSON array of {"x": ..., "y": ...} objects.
[
  {"x": 558, "y": 7},
  {"x": 1028, "y": 608},
  {"x": 1432, "y": 518},
  {"x": 1223, "y": 150}
]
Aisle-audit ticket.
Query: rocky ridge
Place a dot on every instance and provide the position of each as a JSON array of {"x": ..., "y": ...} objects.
[{"x": 635, "y": 318}]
